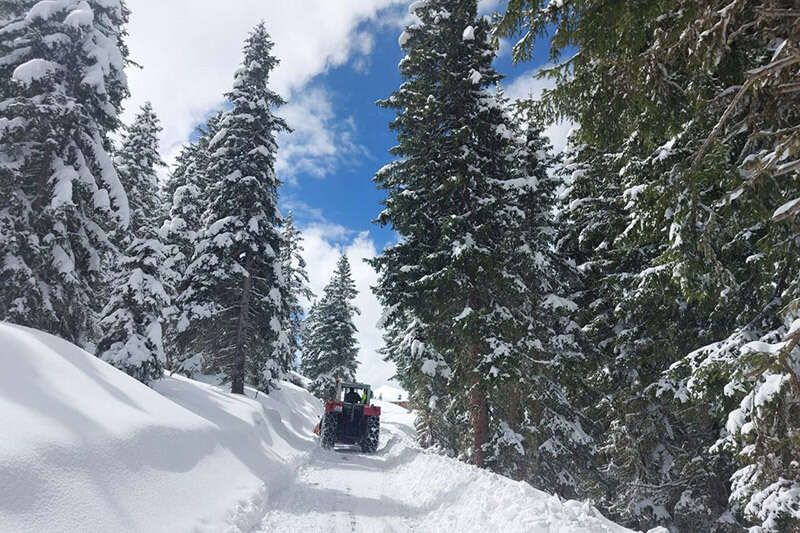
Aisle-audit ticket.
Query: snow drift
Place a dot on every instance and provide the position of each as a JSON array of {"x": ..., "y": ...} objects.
[{"x": 86, "y": 448}]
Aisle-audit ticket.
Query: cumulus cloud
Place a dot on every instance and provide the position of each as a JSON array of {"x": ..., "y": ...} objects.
[
  {"x": 320, "y": 140},
  {"x": 189, "y": 50},
  {"x": 528, "y": 85},
  {"x": 323, "y": 244}
]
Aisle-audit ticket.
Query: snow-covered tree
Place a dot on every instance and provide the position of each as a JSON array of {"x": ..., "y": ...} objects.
[
  {"x": 684, "y": 107},
  {"x": 186, "y": 192},
  {"x": 297, "y": 291},
  {"x": 474, "y": 267},
  {"x": 230, "y": 299},
  {"x": 62, "y": 82},
  {"x": 424, "y": 374},
  {"x": 330, "y": 348},
  {"x": 131, "y": 322}
]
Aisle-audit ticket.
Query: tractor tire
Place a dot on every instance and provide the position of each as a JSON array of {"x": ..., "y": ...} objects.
[
  {"x": 369, "y": 444},
  {"x": 327, "y": 431}
]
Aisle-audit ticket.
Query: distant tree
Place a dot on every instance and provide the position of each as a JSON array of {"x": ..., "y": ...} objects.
[
  {"x": 62, "y": 83},
  {"x": 297, "y": 290},
  {"x": 231, "y": 293},
  {"x": 330, "y": 347},
  {"x": 131, "y": 322}
]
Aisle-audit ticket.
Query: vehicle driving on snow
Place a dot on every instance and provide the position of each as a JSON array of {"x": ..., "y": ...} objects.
[{"x": 350, "y": 418}]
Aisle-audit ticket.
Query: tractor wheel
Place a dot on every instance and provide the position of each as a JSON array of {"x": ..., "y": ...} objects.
[
  {"x": 369, "y": 443},
  {"x": 327, "y": 432}
]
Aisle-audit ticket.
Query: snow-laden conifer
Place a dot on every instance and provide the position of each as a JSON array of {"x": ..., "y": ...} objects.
[
  {"x": 186, "y": 192},
  {"x": 474, "y": 266},
  {"x": 62, "y": 82},
  {"x": 131, "y": 323},
  {"x": 231, "y": 292},
  {"x": 330, "y": 348},
  {"x": 296, "y": 292}
]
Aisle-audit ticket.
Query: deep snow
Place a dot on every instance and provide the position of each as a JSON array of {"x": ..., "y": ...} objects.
[{"x": 86, "y": 448}]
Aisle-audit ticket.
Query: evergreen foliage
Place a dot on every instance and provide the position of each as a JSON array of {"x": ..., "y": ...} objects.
[
  {"x": 131, "y": 322},
  {"x": 186, "y": 191},
  {"x": 61, "y": 87},
  {"x": 476, "y": 320},
  {"x": 296, "y": 290},
  {"x": 330, "y": 349},
  {"x": 231, "y": 293},
  {"x": 688, "y": 144}
]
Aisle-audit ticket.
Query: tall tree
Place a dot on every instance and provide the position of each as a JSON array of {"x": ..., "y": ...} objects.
[
  {"x": 231, "y": 292},
  {"x": 684, "y": 108},
  {"x": 330, "y": 348},
  {"x": 297, "y": 290},
  {"x": 62, "y": 82},
  {"x": 474, "y": 272},
  {"x": 186, "y": 191},
  {"x": 132, "y": 319}
]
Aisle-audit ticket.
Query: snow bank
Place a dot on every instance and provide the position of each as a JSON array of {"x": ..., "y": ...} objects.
[
  {"x": 86, "y": 448},
  {"x": 454, "y": 496}
]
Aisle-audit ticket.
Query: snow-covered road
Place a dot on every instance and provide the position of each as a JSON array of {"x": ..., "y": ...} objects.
[
  {"x": 347, "y": 491},
  {"x": 88, "y": 448},
  {"x": 401, "y": 488}
]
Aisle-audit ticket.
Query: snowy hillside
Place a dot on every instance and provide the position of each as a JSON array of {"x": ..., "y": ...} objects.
[{"x": 87, "y": 448}]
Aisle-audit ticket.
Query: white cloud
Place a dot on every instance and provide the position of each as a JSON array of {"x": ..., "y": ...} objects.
[
  {"x": 190, "y": 49},
  {"x": 319, "y": 141},
  {"x": 527, "y": 85},
  {"x": 323, "y": 243}
]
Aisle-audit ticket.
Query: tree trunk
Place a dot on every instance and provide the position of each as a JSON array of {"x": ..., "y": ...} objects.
[
  {"x": 479, "y": 415},
  {"x": 240, "y": 356},
  {"x": 479, "y": 411}
]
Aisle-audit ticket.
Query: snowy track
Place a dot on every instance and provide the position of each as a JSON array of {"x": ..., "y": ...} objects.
[
  {"x": 346, "y": 491},
  {"x": 91, "y": 449},
  {"x": 401, "y": 488}
]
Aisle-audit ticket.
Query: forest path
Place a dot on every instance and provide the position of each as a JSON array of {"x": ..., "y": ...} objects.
[
  {"x": 402, "y": 488},
  {"x": 347, "y": 491}
]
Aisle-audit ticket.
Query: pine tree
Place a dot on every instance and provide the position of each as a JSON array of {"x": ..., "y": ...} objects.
[
  {"x": 682, "y": 105},
  {"x": 231, "y": 292},
  {"x": 62, "y": 82},
  {"x": 296, "y": 290},
  {"x": 330, "y": 348},
  {"x": 424, "y": 374},
  {"x": 132, "y": 319},
  {"x": 186, "y": 192},
  {"x": 474, "y": 267}
]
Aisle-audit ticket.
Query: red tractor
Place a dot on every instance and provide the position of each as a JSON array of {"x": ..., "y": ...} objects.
[{"x": 351, "y": 418}]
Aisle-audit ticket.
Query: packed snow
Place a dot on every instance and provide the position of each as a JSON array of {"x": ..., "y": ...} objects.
[{"x": 91, "y": 449}]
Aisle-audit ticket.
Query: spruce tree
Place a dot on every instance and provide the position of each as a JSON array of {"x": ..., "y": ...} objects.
[
  {"x": 474, "y": 267},
  {"x": 131, "y": 322},
  {"x": 62, "y": 82},
  {"x": 230, "y": 299},
  {"x": 330, "y": 348},
  {"x": 297, "y": 290},
  {"x": 186, "y": 191},
  {"x": 682, "y": 107}
]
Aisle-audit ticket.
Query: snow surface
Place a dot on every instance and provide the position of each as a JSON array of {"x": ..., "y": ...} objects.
[
  {"x": 34, "y": 70},
  {"x": 86, "y": 448}
]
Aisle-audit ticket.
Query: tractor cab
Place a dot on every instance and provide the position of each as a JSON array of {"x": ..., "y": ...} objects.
[
  {"x": 355, "y": 393},
  {"x": 350, "y": 418}
]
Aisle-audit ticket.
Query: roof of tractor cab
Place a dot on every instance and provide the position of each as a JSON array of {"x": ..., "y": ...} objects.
[{"x": 353, "y": 385}]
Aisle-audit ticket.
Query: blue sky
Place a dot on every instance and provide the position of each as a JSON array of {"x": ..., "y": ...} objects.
[
  {"x": 338, "y": 57},
  {"x": 347, "y": 196}
]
